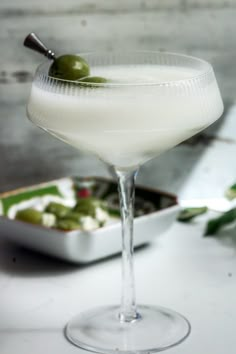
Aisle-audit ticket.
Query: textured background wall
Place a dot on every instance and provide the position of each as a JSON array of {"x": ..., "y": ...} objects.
[{"x": 204, "y": 28}]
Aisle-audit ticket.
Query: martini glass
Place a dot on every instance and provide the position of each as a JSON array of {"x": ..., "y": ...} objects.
[{"x": 151, "y": 102}]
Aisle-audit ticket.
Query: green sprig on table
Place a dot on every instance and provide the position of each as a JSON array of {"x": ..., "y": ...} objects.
[
  {"x": 213, "y": 225},
  {"x": 189, "y": 214},
  {"x": 230, "y": 193},
  {"x": 227, "y": 218}
]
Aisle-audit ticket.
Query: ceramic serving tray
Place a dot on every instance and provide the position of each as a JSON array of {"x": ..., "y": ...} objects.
[{"x": 155, "y": 213}]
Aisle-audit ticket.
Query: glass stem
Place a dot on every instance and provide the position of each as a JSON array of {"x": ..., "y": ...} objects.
[{"x": 126, "y": 186}]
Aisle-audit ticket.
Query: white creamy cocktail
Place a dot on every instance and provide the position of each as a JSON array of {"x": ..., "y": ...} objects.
[{"x": 127, "y": 125}]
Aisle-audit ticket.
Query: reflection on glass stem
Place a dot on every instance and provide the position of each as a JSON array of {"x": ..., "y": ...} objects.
[{"x": 126, "y": 185}]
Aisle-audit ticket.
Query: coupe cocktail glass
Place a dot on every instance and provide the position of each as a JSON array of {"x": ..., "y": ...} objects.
[{"x": 152, "y": 102}]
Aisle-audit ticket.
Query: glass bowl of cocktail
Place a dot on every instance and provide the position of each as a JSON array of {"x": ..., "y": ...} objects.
[{"x": 150, "y": 102}]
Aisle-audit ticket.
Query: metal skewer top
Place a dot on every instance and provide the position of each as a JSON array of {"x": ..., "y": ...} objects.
[{"x": 33, "y": 42}]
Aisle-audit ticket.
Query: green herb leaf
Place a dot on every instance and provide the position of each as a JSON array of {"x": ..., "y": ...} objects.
[
  {"x": 214, "y": 225},
  {"x": 188, "y": 214},
  {"x": 27, "y": 194},
  {"x": 230, "y": 193}
]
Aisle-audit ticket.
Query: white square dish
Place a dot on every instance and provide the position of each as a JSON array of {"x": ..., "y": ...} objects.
[{"x": 84, "y": 246}]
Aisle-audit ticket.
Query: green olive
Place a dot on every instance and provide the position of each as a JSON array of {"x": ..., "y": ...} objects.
[
  {"x": 29, "y": 215},
  {"x": 75, "y": 216},
  {"x": 69, "y": 67},
  {"x": 90, "y": 80},
  {"x": 57, "y": 209},
  {"x": 87, "y": 206},
  {"x": 68, "y": 224}
]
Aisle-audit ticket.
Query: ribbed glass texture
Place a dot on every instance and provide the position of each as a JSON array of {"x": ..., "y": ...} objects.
[{"x": 151, "y": 102}]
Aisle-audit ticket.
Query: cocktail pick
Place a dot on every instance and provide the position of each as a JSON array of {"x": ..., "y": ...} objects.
[{"x": 33, "y": 42}]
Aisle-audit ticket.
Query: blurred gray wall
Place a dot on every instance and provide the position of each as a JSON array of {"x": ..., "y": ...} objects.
[{"x": 204, "y": 28}]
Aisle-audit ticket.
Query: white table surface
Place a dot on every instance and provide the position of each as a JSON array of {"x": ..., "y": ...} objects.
[{"x": 181, "y": 270}]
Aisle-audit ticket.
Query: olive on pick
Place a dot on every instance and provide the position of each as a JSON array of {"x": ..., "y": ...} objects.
[{"x": 69, "y": 67}]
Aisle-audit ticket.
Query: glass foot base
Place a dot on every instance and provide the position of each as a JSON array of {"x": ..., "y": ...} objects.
[{"x": 100, "y": 330}]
